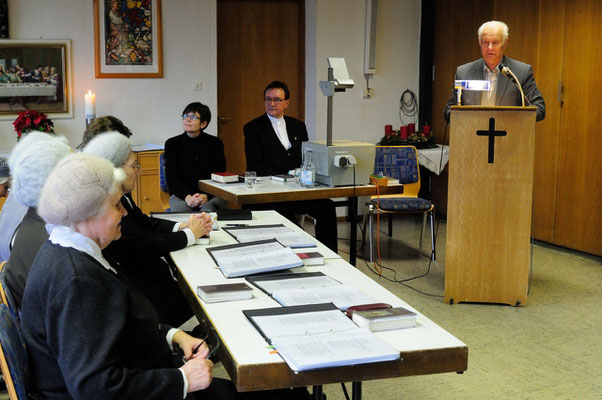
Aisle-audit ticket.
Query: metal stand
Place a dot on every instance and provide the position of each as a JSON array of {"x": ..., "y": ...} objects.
[{"x": 89, "y": 119}]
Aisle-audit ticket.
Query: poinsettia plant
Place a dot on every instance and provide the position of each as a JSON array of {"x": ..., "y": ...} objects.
[{"x": 31, "y": 120}]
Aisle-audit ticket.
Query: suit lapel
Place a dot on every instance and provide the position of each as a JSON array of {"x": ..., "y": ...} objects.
[{"x": 502, "y": 84}]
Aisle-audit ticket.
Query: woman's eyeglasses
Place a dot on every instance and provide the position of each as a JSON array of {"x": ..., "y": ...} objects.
[{"x": 190, "y": 117}]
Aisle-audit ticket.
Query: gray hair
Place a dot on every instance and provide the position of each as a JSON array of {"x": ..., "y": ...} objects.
[{"x": 495, "y": 24}]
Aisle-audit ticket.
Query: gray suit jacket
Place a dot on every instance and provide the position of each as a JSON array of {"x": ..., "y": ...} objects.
[{"x": 507, "y": 93}]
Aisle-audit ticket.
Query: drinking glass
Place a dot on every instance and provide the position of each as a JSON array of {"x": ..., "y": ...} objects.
[{"x": 250, "y": 178}]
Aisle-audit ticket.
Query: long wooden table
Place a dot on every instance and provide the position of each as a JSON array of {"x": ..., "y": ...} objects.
[
  {"x": 268, "y": 191},
  {"x": 425, "y": 349}
]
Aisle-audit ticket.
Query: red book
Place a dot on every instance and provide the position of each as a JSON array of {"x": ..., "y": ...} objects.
[
  {"x": 311, "y": 258},
  {"x": 224, "y": 177}
]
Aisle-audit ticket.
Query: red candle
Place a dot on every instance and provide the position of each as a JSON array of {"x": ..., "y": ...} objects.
[
  {"x": 426, "y": 129},
  {"x": 411, "y": 128},
  {"x": 403, "y": 132},
  {"x": 388, "y": 130}
]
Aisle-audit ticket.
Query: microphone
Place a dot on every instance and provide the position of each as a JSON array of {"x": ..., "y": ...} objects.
[{"x": 510, "y": 75}]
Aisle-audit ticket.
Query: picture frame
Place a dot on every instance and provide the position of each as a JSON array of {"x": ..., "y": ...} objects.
[
  {"x": 128, "y": 39},
  {"x": 36, "y": 76}
]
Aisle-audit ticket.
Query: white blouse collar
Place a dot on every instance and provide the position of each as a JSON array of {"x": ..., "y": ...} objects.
[{"x": 67, "y": 237}]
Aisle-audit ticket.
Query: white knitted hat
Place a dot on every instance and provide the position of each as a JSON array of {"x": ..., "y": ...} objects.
[
  {"x": 112, "y": 146},
  {"x": 77, "y": 189},
  {"x": 31, "y": 162}
]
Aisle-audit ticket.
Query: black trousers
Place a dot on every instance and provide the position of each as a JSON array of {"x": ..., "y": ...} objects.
[{"x": 322, "y": 210}]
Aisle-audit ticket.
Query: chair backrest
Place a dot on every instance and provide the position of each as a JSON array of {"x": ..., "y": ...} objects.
[
  {"x": 162, "y": 175},
  {"x": 7, "y": 297},
  {"x": 13, "y": 357},
  {"x": 399, "y": 162}
]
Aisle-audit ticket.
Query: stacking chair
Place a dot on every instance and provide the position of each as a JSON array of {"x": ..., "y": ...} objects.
[
  {"x": 13, "y": 357},
  {"x": 400, "y": 162},
  {"x": 6, "y": 296},
  {"x": 163, "y": 183}
]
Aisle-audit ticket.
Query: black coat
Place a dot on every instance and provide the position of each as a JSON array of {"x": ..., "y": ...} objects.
[
  {"x": 144, "y": 240},
  {"x": 264, "y": 151}
]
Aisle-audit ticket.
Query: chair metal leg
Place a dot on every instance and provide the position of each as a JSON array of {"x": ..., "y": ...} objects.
[
  {"x": 433, "y": 252},
  {"x": 370, "y": 212},
  {"x": 422, "y": 229},
  {"x": 390, "y": 225}
]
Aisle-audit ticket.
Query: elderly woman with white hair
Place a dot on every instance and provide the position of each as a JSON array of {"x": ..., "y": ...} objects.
[
  {"x": 89, "y": 333},
  {"x": 145, "y": 240},
  {"x": 31, "y": 162}
]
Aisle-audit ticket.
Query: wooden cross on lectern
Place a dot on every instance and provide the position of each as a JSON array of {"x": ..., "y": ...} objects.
[{"x": 492, "y": 133}]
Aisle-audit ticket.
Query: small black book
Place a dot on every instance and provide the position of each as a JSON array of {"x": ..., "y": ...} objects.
[{"x": 228, "y": 214}]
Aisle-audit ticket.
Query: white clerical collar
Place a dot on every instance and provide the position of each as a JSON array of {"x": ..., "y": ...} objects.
[
  {"x": 67, "y": 237},
  {"x": 281, "y": 119}
]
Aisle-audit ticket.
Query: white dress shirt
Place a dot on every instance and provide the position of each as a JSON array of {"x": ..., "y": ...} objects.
[{"x": 279, "y": 125}]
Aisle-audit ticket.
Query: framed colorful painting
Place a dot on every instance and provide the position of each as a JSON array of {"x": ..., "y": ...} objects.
[
  {"x": 127, "y": 39},
  {"x": 35, "y": 75}
]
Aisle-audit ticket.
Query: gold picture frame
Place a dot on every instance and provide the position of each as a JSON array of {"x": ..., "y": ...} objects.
[{"x": 128, "y": 39}]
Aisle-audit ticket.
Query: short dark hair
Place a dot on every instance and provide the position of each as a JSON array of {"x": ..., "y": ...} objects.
[
  {"x": 103, "y": 124},
  {"x": 201, "y": 109},
  {"x": 278, "y": 85}
]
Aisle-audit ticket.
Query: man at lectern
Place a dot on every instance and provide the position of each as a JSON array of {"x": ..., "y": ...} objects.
[{"x": 494, "y": 66}]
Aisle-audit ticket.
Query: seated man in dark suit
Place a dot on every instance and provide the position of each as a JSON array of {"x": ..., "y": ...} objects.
[
  {"x": 273, "y": 146},
  {"x": 493, "y": 39}
]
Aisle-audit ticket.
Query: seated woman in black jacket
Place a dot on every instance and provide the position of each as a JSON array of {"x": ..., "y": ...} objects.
[
  {"x": 89, "y": 333},
  {"x": 145, "y": 240}
]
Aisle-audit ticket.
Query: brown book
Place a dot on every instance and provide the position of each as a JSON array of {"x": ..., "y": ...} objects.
[
  {"x": 224, "y": 292},
  {"x": 311, "y": 258},
  {"x": 385, "y": 319}
]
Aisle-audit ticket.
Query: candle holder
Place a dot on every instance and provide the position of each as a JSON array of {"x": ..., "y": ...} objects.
[{"x": 89, "y": 118}]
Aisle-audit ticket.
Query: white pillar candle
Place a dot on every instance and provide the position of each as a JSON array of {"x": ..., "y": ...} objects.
[{"x": 90, "y": 103}]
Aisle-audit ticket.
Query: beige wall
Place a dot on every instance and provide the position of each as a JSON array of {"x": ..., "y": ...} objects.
[{"x": 150, "y": 107}]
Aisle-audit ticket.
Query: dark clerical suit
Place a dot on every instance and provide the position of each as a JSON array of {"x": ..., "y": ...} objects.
[
  {"x": 267, "y": 156},
  {"x": 507, "y": 93}
]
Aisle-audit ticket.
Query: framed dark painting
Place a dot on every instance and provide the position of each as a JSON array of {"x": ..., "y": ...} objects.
[
  {"x": 35, "y": 75},
  {"x": 127, "y": 39}
]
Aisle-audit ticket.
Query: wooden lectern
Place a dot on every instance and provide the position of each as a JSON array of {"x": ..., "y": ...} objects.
[{"x": 489, "y": 204}]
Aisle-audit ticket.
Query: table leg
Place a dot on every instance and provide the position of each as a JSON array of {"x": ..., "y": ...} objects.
[
  {"x": 356, "y": 393},
  {"x": 352, "y": 213},
  {"x": 317, "y": 392}
]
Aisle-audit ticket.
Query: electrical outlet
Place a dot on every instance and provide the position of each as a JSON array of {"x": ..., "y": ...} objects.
[
  {"x": 197, "y": 86},
  {"x": 367, "y": 93}
]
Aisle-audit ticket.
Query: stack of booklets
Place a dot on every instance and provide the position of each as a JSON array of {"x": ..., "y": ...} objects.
[
  {"x": 285, "y": 235},
  {"x": 385, "y": 319},
  {"x": 252, "y": 258},
  {"x": 224, "y": 292},
  {"x": 318, "y": 336},
  {"x": 295, "y": 289}
]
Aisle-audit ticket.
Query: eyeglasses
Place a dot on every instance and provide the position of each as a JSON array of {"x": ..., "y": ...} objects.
[
  {"x": 135, "y": 165},
  {"x": 190, "y": 117},
  {"x": 276, "y": 100}
]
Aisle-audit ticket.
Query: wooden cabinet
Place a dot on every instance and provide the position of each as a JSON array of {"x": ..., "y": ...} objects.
[
  {"x": 147, "y": 194},
  {"x": 559, "y": 38}
]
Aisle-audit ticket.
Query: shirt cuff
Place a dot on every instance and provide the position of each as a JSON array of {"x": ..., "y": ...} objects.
[
  {"x": 189, "y": 236},
  {"x": 176, "y": 227},
  {"x": 169, "y": 337},
  {"x": 185, "y": 383}
]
